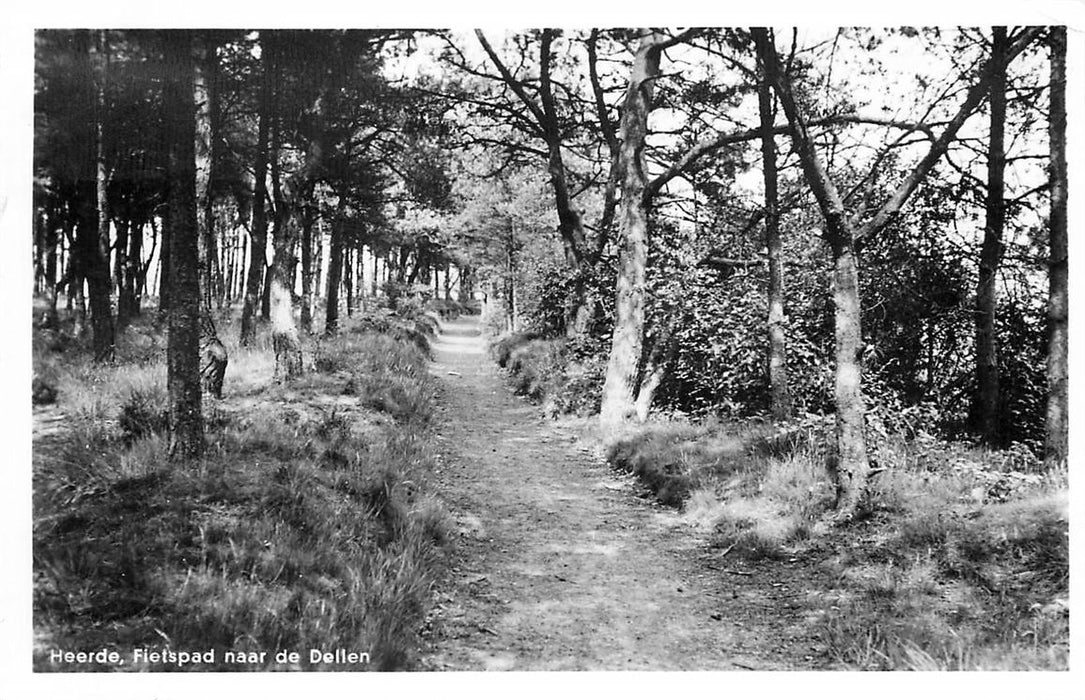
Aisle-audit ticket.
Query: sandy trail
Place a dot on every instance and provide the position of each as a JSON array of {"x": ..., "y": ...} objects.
[{"x": 562, "y": 566}]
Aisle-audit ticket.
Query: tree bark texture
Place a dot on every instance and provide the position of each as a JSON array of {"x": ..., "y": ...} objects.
[
  {"x": 204, "y": 95},
  {"x": 618, "y": 401},
  {"x": 985, "y": 400},
  {"x": 777, "y": 359},
  {"x": 307, "y": 273},
  {"x": 258, "y": 234},
  {"x": 1058, "y": 418},
  {"x": 51, "y": 240},
  {"x": 182, "y": 351},
  {"x": 92, "y": 229},
  {"x": 120, "y": 272},
  {"x": 335, "y": 274}
]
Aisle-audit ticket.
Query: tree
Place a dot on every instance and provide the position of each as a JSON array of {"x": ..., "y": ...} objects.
[
  {"x": 207, "y": 132},
  {"x": 777, "y": 355},
  {"x": 1058, "y": 422},
  {"x": 182, "y": 351},
  {"x": 258, "y": 232},
  {"x": 985, "y": 400},
  {"x": 92, "y": 222},
  {"x": 543, "y": 121},
  {"x": 619, "y": 401},
  {"x": 851, "y": 468}
]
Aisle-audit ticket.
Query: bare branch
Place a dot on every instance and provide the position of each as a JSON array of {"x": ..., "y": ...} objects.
[{"x": 516, "y": 86}]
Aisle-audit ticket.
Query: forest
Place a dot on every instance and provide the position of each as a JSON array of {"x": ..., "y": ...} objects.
[{"x": 804, "y": 284}]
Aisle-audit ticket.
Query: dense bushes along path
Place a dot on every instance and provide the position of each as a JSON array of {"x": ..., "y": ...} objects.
[{"x": 563, "y": 567}]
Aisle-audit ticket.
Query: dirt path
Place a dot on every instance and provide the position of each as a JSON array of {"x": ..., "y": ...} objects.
[{"x": 562, "y": 566}]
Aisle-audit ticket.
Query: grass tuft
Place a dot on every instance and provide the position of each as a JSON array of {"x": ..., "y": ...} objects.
[
  {"x": 307, "y": 524},
  {"x": 960, "y": 562}
]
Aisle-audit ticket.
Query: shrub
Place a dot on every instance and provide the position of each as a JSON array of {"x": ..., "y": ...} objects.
[
  {"x": 42, "y": 391},
  {"x": 146, "y": 412}
]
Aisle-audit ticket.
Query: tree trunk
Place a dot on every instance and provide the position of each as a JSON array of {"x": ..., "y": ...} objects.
[
  {"x": 78, "y": 301},
  {"x": 227, "y": 263},
  {"x": 348, "y": 279},
  {"x": 265, "y": 293},
  {"x": 239, "y": 292},
  {"x": 165, "y": 278},
  {"x": 186, "y": 418},
  {"x": 284, "y": 332},
  {"x": 655, "y": 368},
  {"x": 335, "y": 273},
  {"x": 120, "y": 273},
  {"x": 1058, "y": 420},
  {"x": 258, "y": 233},
  {"x": 985, "y": 401},
  {"x": 307, "y": 273},
  {"x": 618, "y": 404},
  {"x": 51, "y": 240},
  {"x": 467, "y": 284},
  {"x": 850, "y": 467},
  {"x": 146, "y": 267},
  {"x": 204, "y": 96},
  {"x": 133, "y": 268},
  {"x": 96, "y": 249},
  {"x": 359, "y": 258},
  {"x": 777, "y": 360},
  {"x": 375, "y": 282},
  {"x": 39, "y": 225}
]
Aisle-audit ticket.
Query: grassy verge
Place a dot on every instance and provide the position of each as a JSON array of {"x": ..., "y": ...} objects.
[
  {"x": 959, "y": 560},
  {"x": 548, "y": 372},
  {"x": 306, "y": 526}
]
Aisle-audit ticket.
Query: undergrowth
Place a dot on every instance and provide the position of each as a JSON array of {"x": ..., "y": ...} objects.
[
  {"x": 958, "y": 560},
  {"x": 307, "y": 524},
  {"x": 550, "y": 372}
]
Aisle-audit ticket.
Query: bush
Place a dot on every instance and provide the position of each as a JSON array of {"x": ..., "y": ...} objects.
[
  {"x": 42, "y": 391},
  {"x": 144, "y": 413}
]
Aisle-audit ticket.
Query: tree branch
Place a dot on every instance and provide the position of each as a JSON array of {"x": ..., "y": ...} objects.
[
  {"x": 516, "y": 86},
  {"x": 974, "y": 97}
]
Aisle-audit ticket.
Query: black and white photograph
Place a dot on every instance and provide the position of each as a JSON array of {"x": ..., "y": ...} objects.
[{"x": 581, "y": 344}]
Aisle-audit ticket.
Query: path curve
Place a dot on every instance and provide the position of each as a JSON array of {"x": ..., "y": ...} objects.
[{"x": 560, "y": 564}]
